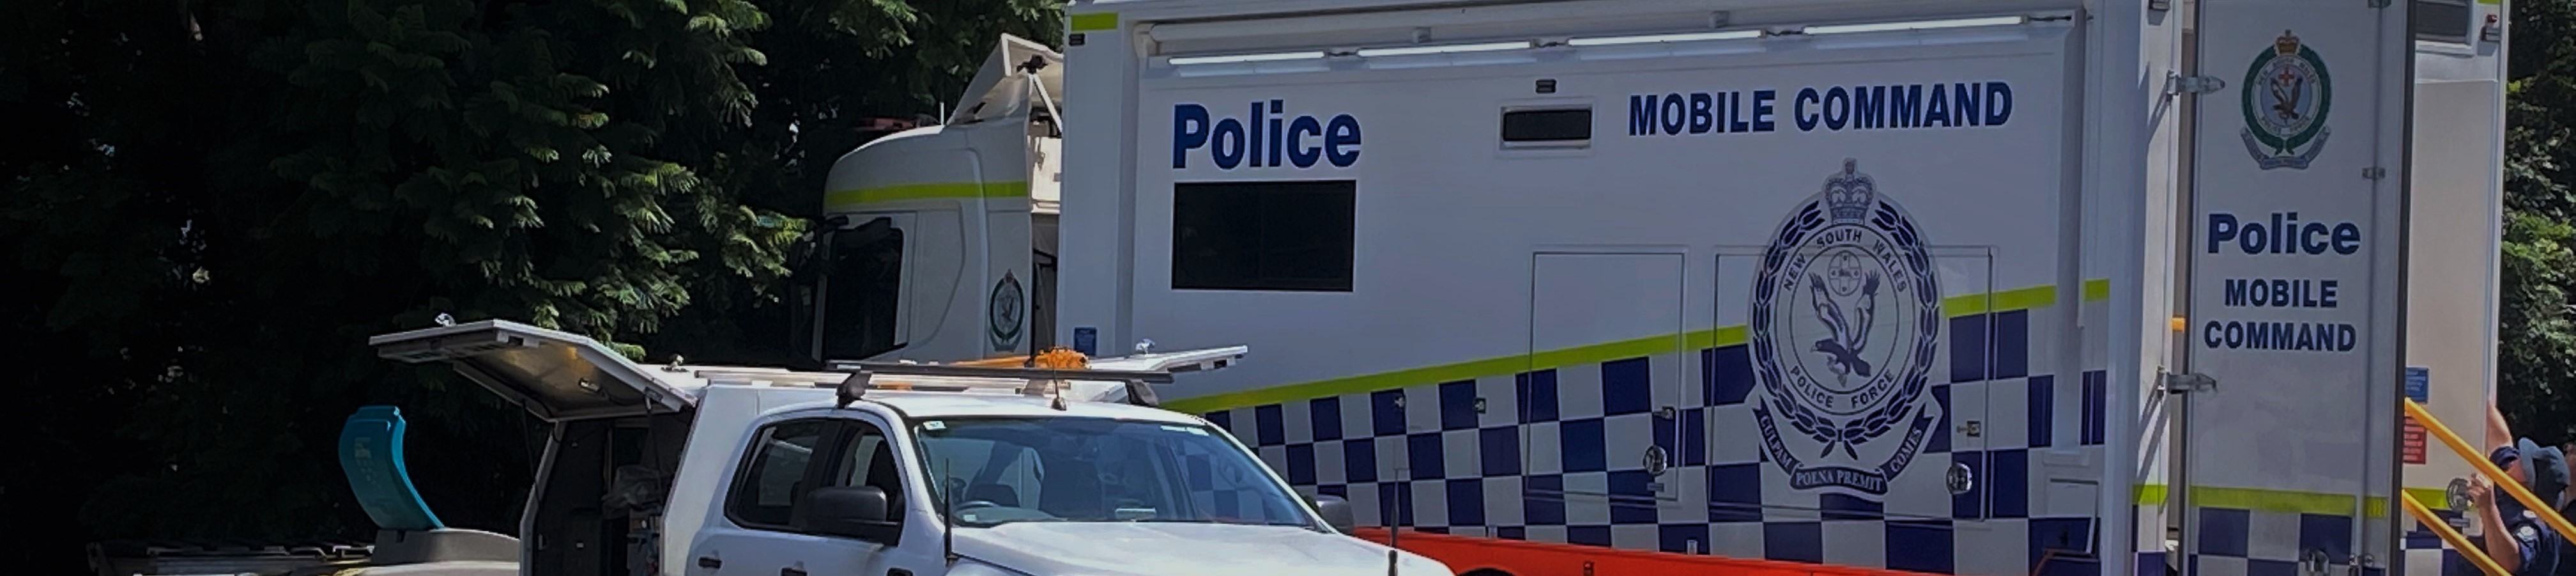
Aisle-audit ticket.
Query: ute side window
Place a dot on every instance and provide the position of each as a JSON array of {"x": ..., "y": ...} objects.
[
  {"x": 869, "y": 461},
  {"x": 774, "y": 474},
  {"x": 1278, "y": 236},
  {"x": 862, "y": 296}
]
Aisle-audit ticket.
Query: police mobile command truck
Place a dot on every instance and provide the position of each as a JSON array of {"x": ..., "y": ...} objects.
[{"x": 1628, "y": 286}]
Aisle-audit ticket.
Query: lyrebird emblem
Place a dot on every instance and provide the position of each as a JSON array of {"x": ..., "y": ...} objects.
[{"x": 1845, "y": 337}]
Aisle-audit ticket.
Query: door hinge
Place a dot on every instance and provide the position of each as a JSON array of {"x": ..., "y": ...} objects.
[
  {"x": 2379, "y": 3},
  {"x": 2176, "y": 83},
  {"x": 2374, "y": 173},
  {"x": 2189, "y": 382}
]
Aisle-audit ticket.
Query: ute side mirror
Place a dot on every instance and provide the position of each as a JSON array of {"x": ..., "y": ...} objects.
[
  {"x": 859, "y": 512},
  {"x": 1336, "y": 512}
]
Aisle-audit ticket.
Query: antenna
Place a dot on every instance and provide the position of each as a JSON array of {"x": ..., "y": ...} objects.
[{"x": 947, "y": 512}]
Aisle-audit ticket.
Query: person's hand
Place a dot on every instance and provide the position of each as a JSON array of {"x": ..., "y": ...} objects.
[{"x": 2479, "y": 492}]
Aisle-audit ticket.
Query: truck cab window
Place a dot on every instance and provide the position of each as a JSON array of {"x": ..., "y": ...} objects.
[
  {"x": 863, "y": 293},
  {"x": 774, "y": 474}
]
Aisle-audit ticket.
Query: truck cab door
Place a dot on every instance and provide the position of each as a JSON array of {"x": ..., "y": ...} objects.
[
  {"x": 766, "y": 529},
  {"x": 859, "y": 302}
]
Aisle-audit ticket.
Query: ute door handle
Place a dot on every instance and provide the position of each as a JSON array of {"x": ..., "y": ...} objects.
[
  {"x": 710, "y": 562},
  {"x": 790, "y": 571}
]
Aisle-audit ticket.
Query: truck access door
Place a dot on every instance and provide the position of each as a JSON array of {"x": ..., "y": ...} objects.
[
  {"x": 1603, "y": 437},
  {"x": 558, "y": 376},
  {"x": 616, "y": 428},
  {"x": 2293, "y": 337}
]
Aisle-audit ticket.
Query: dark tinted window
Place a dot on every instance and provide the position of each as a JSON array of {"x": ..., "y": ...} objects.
[
  {"x": 2441, "y": 20},
  {"x": 1263, "y": 235},
  {"x": 1562, "y": 125},
  {"x": 862, "y": 295}
]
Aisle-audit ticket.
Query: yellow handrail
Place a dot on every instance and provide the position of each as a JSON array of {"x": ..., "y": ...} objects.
[
  {"x": 2548, "y": 511},
  {"x": 2475, "y": 554}
]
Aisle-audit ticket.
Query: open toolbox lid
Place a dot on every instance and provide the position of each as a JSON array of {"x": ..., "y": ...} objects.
[{"x": 555, "y": 375}]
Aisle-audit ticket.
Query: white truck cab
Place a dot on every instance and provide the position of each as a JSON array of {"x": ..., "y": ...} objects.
[{"x": 893, "y": 469}]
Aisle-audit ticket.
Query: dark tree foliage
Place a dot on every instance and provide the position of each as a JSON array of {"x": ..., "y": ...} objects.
[
  {"x": 2536, "y": 380},
  {"x": 212, "y": 203}
]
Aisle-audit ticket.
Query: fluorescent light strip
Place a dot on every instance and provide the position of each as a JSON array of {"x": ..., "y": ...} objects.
[
  {"x": 1448, "y": 49},
  {"x": 1239, "y": 58},
  {"x": 1916, "y": 25},
  {"x": 1662, "y": 38}
]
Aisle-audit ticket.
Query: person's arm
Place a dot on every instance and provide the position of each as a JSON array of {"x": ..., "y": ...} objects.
[
  {"x": 2498, "y": 434},
  {"x": 2501, "y": 545}
]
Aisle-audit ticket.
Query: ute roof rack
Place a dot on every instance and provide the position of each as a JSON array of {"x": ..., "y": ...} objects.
[{"x": 1050, "y": 374}]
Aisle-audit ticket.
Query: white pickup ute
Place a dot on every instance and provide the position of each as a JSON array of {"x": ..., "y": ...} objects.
[{"x": 878, "y": 469}]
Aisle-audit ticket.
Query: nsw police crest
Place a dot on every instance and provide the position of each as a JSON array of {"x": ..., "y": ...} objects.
[
  {"x": 1846, "y": 318},
  {"x": 1002, "y": 312},
  {"x": 2286, "y": 96}
]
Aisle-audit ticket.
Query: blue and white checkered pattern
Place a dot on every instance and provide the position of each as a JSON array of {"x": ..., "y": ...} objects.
[
  {"x": 2261, "y": 543},
  {"x": 1559, "y": 455},
  {"x": 2427, "y": 555}
]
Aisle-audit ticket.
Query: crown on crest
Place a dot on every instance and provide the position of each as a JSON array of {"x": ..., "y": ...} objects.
[
  {"x": 2286, "y": 45},
  {"x": 1848, "y": 194}
]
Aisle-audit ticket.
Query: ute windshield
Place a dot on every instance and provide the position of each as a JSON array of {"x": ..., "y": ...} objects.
[{"x": 1003, "y": 470}]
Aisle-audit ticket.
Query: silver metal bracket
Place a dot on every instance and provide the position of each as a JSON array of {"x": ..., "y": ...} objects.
[
  {"x": 2176, "y": 83},
  {"x": 2190, "y": 382},
  {"x": 2314, "y": 562}
]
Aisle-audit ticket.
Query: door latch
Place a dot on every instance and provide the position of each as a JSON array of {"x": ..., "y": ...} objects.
[
  {"x": 2189, "y": 382},
  {"x": 2314, "y": 563},
  {"x": 2176, "y": 83}
]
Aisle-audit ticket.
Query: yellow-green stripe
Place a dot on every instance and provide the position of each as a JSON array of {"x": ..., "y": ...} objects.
[
  {"x": 1095, "y": 22},
  {"x": 1965, "y": 305},
  {"x": 945, "y": 190},
  {"x": 2289, "y": 501}
]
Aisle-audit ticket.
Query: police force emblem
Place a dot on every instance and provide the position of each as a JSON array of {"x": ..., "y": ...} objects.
[
  {"x": 2285, "y": 98},
  {"x": 1846, "y": 319}
]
